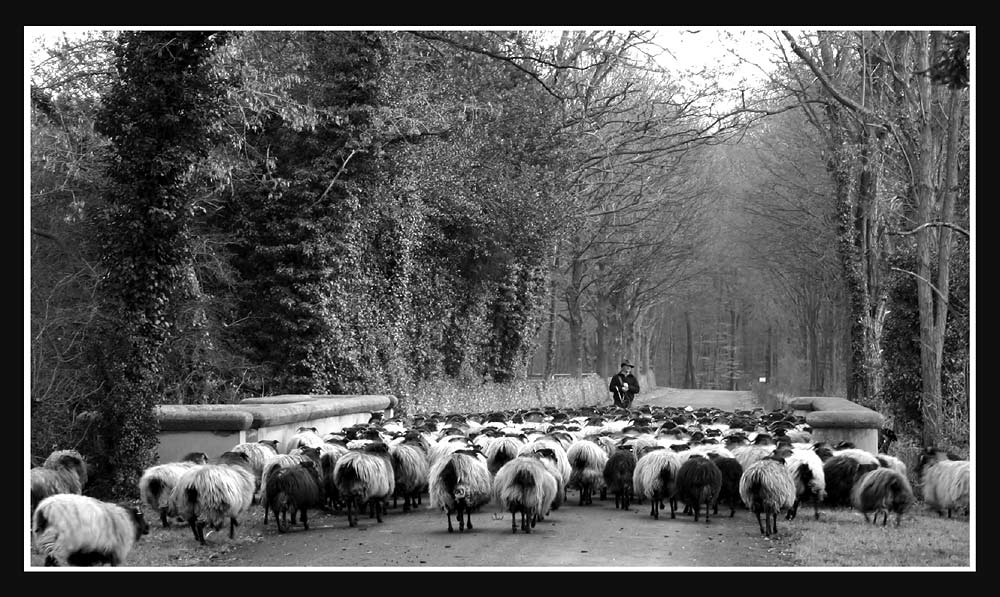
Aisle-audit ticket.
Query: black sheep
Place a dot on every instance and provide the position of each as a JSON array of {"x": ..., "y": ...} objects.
[
  {"x": 698, "y": 482},
  {"x": 618, "y": 473},
  {"x": 841, "y": 473},
  {"x": 729, "y": 491},
  {"x": 295, "y": 489}
]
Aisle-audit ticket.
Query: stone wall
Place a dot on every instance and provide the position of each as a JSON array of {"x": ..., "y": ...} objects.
[
  {"x": 215, "y": 428},
  {"x": 834, "y": 419}
]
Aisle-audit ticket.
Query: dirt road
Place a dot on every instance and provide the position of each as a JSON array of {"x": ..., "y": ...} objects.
[{"x": 593, "y": 536}]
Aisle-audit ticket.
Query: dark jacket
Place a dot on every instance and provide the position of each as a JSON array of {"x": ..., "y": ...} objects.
[{"x": 615, "y": 387}]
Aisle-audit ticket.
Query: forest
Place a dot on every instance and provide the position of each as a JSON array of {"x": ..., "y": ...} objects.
[{"x": 220, "y": 214}]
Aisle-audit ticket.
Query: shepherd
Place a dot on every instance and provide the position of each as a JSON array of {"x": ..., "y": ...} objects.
[{"x": 624, "y": 386}]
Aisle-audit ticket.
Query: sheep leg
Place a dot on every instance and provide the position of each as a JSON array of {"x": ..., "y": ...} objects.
[
  {"x": 350, "y": 513},
  {"x": 793, "y": 510},
  {"x": 815, "y": 507},
  {"x": 201, "y": 531},
  {"x": 697, "y": 511},
  {"x": 305, "y": 521},
  {"x": 513, "y": 520},
  {"x": 761, "y": 524},
  {"x": 406, "y": 503},
  {"x": 468, "y": 519},
  {"x": 448, "y": 513},
  {"x": 233, "y": 523},
  {"x": 774, "y": 523},
  {"x": 282, "y": 524},
  {"x": 673, "y": 508},
  {"x": 378, "y": 510},
  {"x": 194, "y": 529},
  {"x": 706, "y": 512},
  {"x": 652, "y": 510}
]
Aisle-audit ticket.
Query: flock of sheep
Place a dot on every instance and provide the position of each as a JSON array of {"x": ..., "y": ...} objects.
[{"x": 522, "y": 461}]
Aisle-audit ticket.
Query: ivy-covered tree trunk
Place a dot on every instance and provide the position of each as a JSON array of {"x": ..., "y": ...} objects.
[{"x": 160, "y": 115}]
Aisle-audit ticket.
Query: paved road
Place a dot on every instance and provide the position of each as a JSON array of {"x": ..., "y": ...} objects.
[
  {"x": 595, "y": 536},
  {"x": 728, "y": 401}
]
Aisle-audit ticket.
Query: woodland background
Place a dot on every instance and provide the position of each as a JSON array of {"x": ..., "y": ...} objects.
[{"x": 222, "y": 214}]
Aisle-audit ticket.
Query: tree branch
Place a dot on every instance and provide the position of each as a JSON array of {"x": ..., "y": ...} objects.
[
  {"x": 943, "y": 298},
  {"x": 922, "y": 226}
]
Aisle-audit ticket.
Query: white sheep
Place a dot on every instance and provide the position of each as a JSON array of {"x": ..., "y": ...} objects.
[
  {"x": 460, "y": 483},
  {"x": 215, "y": 492},
  {"x": 501, "y": 450},
  {"x": 78, "y": 530},
  {"x": 410, "y": 467},
  {"x": 767, "y": 487},
  {"x": 258, "y": 452},
  {"x": 655, "y": 478},
  {"x": 64, "y": 471},
  {"x": 806, "y": 469},
  {"x": 158, "y": 481},
  {"x": 552, "y": 451},
  {"x": 944, "y": 481},
  {"x": 524, "y": 486},
  {"x": 304, "y": 437},
  {"x": 587, "y": 461},
  {"x": 363, "y": 476}
]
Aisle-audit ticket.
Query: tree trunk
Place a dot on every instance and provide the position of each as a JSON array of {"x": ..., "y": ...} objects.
[
  {"x": 574, "y": 316},
  {"x": 550, "y": 341},
  {"x": 689, "y": 378},
  {"x": 732, "y": 349},
  {"x": 933, "y": 306}
]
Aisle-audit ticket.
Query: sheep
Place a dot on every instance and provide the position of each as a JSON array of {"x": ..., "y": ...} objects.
[
  {"x": 587, "y": 461},
  {"x": 460, "y": 483},
  {"x": 618, "y": 473},
  {"x": 767, "y": 487},
  {"x": 409, "y": 465},
  {"x": 944, "y": 481},
  {"x": 223, "y": 489},
  {"x": 840, "y": 474},
  {"x": 78, "y": 530},
  {"x": 304, "y": 437},
  {"x": 556, "y": 456},
  {"x": 157, "y": 482},
  {"x": 882, "y": 490},
  {"x": 64, "y": 471},
  {"x": 524, "y": 486},
  {"x": 501, "y": 450},
  {"x": 548, "y": 457},
  {"x": 655, "y": 477},
  {"x": 364, "y": 475},
  {"x": 699, "y": 482},
  {"x": 279, "y": 461},
  {"x": 445, "y": 446},
  {"x": 806, "y": 469},
  {"x": 729, "y": 491},
  {"x": 749, "y": 454},
  {"x": 328, "y": 460},
  {"x": 258, "y": 452},
  {"x": 892, "y": 462},
  {"x": 294, "y": 489},
  {"x": 862, "y": 456}
]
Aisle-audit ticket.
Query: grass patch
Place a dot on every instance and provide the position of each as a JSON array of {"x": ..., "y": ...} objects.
[{"x": 842, "y": 538}]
